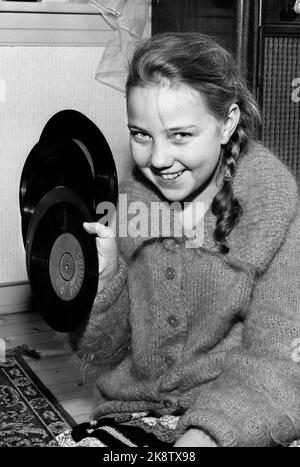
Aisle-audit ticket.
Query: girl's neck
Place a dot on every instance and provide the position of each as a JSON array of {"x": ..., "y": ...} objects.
[{"x": 194, "y": 211}]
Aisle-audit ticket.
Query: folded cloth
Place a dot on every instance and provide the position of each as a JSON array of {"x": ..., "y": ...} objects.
[{"x": 110, "y": 7}]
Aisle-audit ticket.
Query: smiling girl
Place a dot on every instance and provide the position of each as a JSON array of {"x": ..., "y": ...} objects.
[{"x": 194, "y": 345}]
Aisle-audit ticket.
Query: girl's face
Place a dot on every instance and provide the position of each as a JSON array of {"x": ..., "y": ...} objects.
[{"x": 175, "y": 141}]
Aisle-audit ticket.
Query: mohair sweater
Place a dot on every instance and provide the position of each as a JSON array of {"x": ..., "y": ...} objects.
[{"x": 207, "y": 336}]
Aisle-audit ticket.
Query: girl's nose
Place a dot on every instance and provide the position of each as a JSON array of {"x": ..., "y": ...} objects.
[{"x": 161, "y": 156}]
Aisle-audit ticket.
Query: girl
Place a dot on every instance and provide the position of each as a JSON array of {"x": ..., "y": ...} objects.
[{"x": 192, "y": 342}]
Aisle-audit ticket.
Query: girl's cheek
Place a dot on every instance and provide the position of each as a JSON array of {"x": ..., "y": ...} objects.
[
  {"x": 139, "y": 159},
  {"x": 140, "y": 153}
]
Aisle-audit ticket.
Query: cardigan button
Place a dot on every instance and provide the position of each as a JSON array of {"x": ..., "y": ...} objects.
[
  {"x": 170, "y": 244},
  {"x": 169, "y": 360},
  {"x": 172, "y": 320},
  {"x": 167, "y": 403},
  {"x": 170, "y": 273}
]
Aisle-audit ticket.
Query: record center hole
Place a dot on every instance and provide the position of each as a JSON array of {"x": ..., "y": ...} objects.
[{"x": 67, "y": 266}]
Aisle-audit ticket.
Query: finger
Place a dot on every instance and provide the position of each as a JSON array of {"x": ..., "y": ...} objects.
[{"x": 99, "y": 229}]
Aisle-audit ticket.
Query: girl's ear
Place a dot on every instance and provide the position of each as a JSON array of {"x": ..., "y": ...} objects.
[{"x": 231, "y": 123}]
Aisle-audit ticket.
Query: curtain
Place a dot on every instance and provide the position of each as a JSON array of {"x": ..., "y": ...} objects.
[{"x": 129, "y": 19}]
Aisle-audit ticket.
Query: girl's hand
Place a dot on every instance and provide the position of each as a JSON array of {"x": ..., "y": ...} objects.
[
  {"x": 195, "y": 438},
  {"x": 107, "y": 251}
]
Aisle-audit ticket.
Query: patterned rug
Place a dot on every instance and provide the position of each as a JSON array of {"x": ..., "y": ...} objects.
[{"x": 29, "y": 414}]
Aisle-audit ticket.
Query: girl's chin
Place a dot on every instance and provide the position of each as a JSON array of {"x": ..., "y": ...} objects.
[
  {"x": 172, "y": 190},
  {"x": 173, "y": 195}
]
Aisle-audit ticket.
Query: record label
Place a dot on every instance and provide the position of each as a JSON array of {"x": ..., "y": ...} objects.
[
  {"x": 66, "y": 267},
  {"x": 62, "y": 260}
]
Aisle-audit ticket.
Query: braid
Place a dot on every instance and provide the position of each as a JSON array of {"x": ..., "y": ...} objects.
[{"x": 225, "y": 205}]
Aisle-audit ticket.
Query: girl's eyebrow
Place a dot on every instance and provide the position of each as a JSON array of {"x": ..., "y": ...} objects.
[
  {"x": 183, "y": 128},
  {"x": 179, "y": 128},
  {"x": 136, "y": 127}
]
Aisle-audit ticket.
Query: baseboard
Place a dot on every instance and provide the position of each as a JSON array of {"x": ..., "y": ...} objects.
[{"x": 15, "y": 298}]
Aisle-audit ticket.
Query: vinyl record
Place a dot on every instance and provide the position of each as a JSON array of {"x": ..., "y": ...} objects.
[
  {"x": 71, "y": 124},
  {"x": 71, "y": 152},
  {"x": 48, "y": 166},
  {"x": 61, "y": 260},
  {"x": 66, "y": 175}
]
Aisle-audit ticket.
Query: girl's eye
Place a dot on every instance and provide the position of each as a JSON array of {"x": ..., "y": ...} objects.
[
  {"x": 140, "y": 137},
  {"x": 180, "y": 137}
]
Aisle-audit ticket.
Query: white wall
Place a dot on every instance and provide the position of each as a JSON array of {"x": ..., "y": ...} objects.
[{"x": 36, "y": 82}]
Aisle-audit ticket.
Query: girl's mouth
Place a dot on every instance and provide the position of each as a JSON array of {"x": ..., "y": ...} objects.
[{"x": 170, "y": 176}]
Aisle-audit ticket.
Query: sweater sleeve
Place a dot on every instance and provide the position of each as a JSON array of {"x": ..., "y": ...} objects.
[
  {"x": 256, "y": 399},
  {"x": 104, "y": 339}
]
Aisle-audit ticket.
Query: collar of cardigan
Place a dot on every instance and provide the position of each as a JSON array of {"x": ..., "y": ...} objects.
[{"x": 268, "y": 195}]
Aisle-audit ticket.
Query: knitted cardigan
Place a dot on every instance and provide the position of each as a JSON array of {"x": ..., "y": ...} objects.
[{"x": 207, "y": 336}]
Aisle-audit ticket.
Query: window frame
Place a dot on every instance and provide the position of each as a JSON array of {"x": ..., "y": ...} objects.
[{"x": 57, "y": 24}]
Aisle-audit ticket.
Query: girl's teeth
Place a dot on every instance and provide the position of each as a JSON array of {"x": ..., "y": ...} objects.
[{"x": 171, "y": 176}]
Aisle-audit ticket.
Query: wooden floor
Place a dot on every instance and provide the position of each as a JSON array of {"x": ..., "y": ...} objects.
[{"x": 56, "y": 367}]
